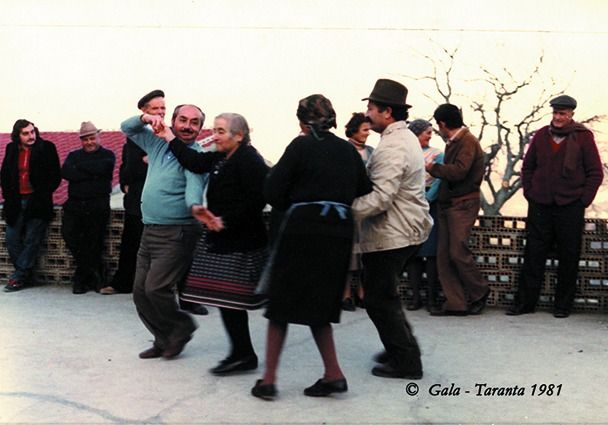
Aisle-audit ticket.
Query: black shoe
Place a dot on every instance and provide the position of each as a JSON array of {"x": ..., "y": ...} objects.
[
  {"x": 14, "y": 286},
  {"x": 79, "y": 288},
  {"x": 413, "y": 305},
  {"x": 387, "y": 371},
  {"x": 348, "y": 304},
  {"x": 230, "y": 365},
  {"x": 518, "y": 309},
  {"x": 264, "y": 391},
  {"x": 199, "y": 310},
  {"x": 478, "y": 306},
  {"x": 359, "y": 302},
  {"x": 560, "y": 313},
  {"x": 175, "y": 348},
  {"x": 442, "y": 312},
  {"x": 381, "y": 357},
  {"x": 323, "y": 388},
  {"x": 151, "y": 353}
]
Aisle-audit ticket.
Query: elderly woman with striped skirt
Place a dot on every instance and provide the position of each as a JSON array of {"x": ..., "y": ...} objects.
[
  {"x": 314, "y": 183},
  {"x": 228, "y": 262}
]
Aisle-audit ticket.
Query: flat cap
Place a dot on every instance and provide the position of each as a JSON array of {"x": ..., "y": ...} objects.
[
  {"x": 149, "y": 97},
  {"x": 563, "y": 102}
]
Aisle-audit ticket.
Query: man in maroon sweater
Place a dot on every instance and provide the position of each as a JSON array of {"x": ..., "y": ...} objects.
[{"x": 561, "y": 174}]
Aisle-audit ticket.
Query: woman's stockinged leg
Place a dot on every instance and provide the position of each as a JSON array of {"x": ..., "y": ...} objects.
[
  {"x": 323, "y": 336},
  {"x": 275, "y": 338}
]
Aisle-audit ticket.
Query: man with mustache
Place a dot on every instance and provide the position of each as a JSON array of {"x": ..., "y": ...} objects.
[
  {"x": 30, "y": 174},
  {"x": 170, "y": 232}
]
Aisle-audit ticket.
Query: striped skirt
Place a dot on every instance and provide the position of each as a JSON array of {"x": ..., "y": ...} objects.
[{"x": 225, "y": 280}]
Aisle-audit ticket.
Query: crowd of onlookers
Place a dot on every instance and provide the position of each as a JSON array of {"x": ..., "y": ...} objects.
[{"x": 338, "y": 207}]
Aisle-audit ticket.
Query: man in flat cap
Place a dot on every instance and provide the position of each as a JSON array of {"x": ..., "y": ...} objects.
[
  {"x": 395, "y": 222},
  {"x": 132, "y": 175},
  {"x": 560, "y": 175},
  {"x": 30, "y": 174},
  {"x": 86, "y": 212}
]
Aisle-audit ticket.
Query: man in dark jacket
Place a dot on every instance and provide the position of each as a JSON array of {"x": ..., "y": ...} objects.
[
  {"x": 466, "y": 291},
  {"x": 30, "y": 174},
  {"x": 561, "y": 174},
  {"x": 86, "y": 212}
]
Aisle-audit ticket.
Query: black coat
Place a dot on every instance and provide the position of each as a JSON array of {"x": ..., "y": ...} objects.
[
  {"x": 132, "y": 173},
  {"x": 45, "y": 176},
  {"x": 234, "y": 193}
]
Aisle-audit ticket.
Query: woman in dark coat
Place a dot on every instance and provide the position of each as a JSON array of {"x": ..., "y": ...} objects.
[
  {"x": 228, "y": 262},
  {"x": 314, "y": 183}
]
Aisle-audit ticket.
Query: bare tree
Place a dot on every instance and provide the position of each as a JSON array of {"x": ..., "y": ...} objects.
[{"x": 503, "y": 133}]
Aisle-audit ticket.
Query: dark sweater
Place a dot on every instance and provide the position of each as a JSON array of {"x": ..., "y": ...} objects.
[
  {"x": 234, "y": 193},
  {"x": 462, "y": 171},
  {"x": 44, "y": 174},
  {"x": 89, "y": 174},
  {"x": 543, "y": 177}
]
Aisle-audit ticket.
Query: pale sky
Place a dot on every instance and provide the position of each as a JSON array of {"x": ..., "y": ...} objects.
[{"x": 64, "y": 61}]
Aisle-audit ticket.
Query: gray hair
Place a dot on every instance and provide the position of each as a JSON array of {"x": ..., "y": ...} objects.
[
  {"x": 419, "y": 126},
  {"x": 236, "y": 124}
]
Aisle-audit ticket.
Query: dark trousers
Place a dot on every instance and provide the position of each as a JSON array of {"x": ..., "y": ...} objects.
[
  {"x": 549, "y": 225},
  {"x": 381, "y": 272},
  {"x": 83, "y": 229},
  {"x": 23, "y": 240},
  {"x": 460, "y": 279},
  {"x": 236, "y": 323},
  {"x": 164, "y": 257},
  {"x": 127, "y": 261}
]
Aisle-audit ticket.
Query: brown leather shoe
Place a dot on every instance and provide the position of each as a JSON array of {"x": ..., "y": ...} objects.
[
  {"x": 175, "y": 347},
  {"x": 151, "y": 353}
]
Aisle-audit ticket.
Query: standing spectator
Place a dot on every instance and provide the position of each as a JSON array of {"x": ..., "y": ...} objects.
[
  {"x": 170, "y": 232},
  {"x": 30, "y": 174},
  {"x": 86, "y": 212},
  {"x": 315, "y": 182},
  {"x": 133, "y": 170},
  {"x": 357, "y": 131},
  {"x": 396, "y": 222},
  {"x": 465, "y": 289},
  {"x": 425, "y": 259},
  {"x": 561, "y": 174},
  {"x": 228, "y": 262}
]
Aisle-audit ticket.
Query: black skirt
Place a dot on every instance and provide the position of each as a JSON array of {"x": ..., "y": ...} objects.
[{"x": 309, "y": 267}]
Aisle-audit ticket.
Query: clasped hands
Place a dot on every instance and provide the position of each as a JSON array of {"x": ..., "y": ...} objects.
[
  {"x": 202, "y": 214},
  {"x": 158, "y": 126}
]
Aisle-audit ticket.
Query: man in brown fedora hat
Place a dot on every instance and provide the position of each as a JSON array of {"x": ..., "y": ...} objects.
[
  {"x": 86, "y": 212},
  {"x": 395, "y": 222}
]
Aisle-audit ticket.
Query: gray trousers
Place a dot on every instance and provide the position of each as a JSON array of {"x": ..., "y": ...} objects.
[{"x": 164, "y": 257}]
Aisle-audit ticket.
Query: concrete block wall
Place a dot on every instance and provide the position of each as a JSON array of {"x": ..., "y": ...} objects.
[{"x": 497, "y": 242}]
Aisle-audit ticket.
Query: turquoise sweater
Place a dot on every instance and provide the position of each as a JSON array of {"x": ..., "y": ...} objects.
[{"x": 170, "y": 190}]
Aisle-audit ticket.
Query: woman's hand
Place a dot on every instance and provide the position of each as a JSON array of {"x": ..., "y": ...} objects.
[{"x": 202, "y": 214}]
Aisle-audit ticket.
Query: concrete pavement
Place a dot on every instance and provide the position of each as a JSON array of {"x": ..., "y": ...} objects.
[{"x": 73, "y": 359}]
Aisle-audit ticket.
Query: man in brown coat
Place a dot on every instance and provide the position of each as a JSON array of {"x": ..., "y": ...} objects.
[{"x": 465, "y": 289}]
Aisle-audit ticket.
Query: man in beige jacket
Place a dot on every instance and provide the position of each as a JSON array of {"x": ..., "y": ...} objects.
[{"x": 395, "y": 222}]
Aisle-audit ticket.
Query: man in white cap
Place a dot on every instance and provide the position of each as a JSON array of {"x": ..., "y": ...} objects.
[
  {"x": 86, "y": 212},
  {"x": 561, "y": 174}
]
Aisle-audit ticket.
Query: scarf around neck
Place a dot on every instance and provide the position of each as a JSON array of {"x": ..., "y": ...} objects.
[{"x": 569, "y": 132}]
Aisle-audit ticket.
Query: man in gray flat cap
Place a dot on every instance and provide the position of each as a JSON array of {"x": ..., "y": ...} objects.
[
  {"x": 561, "y": 174},
  {"x": 86, "y": 212}
]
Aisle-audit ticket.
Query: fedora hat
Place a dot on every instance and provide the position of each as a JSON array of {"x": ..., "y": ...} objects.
[
  {"x": 87, "y": 128},
  {"x": 389, "y": 92}
]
